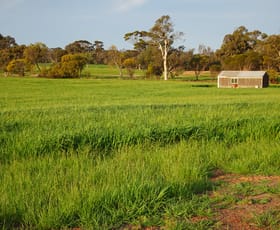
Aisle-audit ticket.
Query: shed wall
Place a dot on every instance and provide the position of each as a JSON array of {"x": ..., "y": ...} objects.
[
  {"x": 250, "y": 83},
  {"x": 225, "y": 82}
]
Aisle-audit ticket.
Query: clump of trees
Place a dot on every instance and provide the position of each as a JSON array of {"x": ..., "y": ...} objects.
[
  {"x": 154, "y": 52},
  {"x": 250, "y": 50},
  {"x": 70, "y": 66}
]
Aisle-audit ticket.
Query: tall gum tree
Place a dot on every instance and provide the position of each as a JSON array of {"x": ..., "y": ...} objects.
[{"x": 161, "y": 35}]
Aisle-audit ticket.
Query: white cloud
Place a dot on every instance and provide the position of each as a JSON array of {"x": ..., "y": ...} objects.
[{"x": 126, "y": 5}]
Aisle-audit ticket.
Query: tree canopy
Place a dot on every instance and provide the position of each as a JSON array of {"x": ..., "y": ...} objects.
[
  {"x": 36, "y": 53},
  {"x": 161, "y": 35},
  {"x": 154, "y": 51}
]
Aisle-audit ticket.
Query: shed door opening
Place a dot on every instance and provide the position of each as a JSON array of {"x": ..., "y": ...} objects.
[{"x": 234, "y": 82}]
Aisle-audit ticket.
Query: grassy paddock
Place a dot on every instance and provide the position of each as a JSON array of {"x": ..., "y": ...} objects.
[
  {"x": 108, "y": 72},
  {"x": 105, "y": 154}
]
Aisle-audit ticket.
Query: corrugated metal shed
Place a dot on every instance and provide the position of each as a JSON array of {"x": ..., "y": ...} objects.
[
  {"x": 243, "y": 79},
  {"x": 246, "y": 74}
]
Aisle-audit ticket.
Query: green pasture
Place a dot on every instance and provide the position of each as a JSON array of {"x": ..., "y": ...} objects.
[
  {"x": 101, "y": 71},
  {"x": 106, "y": 72},
  {"x": 97, "y": 71},
  {"x": 114, "y": 154}
]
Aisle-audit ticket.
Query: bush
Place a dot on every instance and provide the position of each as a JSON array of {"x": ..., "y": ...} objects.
[
  {"x": 130, "y": 64},
  {"x": 17, "y": 66},
  {"x": 153, "y": 70},
  {"x": 71, "y": 66},
  {"x": 273, "y": 76}
]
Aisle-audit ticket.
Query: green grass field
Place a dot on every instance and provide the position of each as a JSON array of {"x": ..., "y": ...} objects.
[
  {"x": 108, "y": 72},
  {"x": 112, "y": 154}
]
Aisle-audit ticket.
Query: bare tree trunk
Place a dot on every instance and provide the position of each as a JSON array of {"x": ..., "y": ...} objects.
[
  {"x": 119, "y": 68},
  {"x": 164, "y": 53},
  {"x": 121, "y": 72},
  {"x": 197, "y": 73},
  {"x": 165, "y": 74},
  {"x": 38, "y": 67}
]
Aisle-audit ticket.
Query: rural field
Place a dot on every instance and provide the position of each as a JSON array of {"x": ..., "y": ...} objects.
[{"x": 137, "y": 154}]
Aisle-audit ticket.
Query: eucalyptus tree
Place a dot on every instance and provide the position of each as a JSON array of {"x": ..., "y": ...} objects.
[
  {"x": 199, "y": 63},
  {"x": 270, "y": 49},
  {"x": 9, "y": 50},
  {"x": 161, "y": 35},
  {"x": 177, "y": 61},
  {"x": 36, "y": 53},
  {"x": 9, "y": 54},
  {"x": 7, "y": 42},
  {"x": 241, "y": 49},
  {"x": 80, "y": 46},
  {"x": 150, "y": 59},
  {"x": 98, "y": 54},
  {"x": 55, "y": 54},
  {"x": 116, "y": 57},
  {"x": 240, "y": 41}
]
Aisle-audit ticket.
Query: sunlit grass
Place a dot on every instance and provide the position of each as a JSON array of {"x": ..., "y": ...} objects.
[
  {"x": 110, "y": 153},
  {"x": 108, "y": 71}
]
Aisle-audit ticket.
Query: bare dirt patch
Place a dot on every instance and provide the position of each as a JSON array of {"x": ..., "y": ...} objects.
[
  {"x": 246, "y": 202},
  {"x": 237, "y": 202}
]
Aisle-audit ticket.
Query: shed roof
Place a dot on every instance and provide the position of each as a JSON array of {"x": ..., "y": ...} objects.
[{"x": 242, "y": 74}]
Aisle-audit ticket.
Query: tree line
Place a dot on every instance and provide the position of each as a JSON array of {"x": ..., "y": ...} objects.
[{"x": 154, "y": 51}]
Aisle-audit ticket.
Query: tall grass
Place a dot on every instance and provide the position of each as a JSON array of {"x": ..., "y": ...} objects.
[{"x": 107, "y": 154}]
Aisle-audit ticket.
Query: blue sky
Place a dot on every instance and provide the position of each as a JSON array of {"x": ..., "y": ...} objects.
[{"x": 60, "y": 22}]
